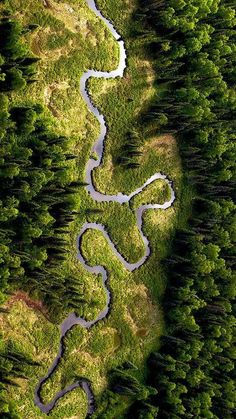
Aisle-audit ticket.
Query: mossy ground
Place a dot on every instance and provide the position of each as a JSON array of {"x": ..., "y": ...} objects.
[{"x": 70, "y": 40}]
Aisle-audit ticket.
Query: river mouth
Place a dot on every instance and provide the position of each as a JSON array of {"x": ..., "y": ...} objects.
[{"x": 121, "y": 198}]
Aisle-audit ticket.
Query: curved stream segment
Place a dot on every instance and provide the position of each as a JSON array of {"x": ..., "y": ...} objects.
[{"x": 121, "y": 198}]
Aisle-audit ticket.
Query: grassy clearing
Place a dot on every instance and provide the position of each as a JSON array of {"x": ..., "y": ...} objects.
[
  {"x": 70, "y": 40},
  {"x": 121, "y": 102},
  {"x": 28, "y": 331}
]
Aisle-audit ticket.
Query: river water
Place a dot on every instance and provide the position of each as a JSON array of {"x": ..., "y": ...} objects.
[{"x": 121, "y": 198}]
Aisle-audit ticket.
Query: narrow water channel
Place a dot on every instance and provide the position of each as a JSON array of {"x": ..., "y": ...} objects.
[{"x": 121, "y": 198}]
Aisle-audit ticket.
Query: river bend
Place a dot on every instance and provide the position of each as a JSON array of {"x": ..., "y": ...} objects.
[{"x": 121, "y": 198}]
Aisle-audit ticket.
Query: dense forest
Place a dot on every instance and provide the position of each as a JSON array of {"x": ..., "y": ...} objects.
[
  {"x": 38, "y": 197},
  {"x": 193, "y": 46}
]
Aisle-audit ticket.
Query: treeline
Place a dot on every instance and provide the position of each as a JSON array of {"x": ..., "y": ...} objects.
[
  {"x": 193, "y": 44},
  {"x": 130, "y": 151},
  {"x": 39, "y": 188},
  {"x": 17, "y": 67},
  {"x": 13, "y": 365},
  {"x": 125, "y": 385},
  {"x": 38, "y": 199}
]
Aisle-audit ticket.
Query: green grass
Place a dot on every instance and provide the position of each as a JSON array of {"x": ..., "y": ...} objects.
[
  {"x": 68, "y": 46},
  {"x": 29, "y": 332}
]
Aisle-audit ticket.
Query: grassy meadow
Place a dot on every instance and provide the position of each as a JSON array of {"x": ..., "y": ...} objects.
[{"x": 69, "y": 40}]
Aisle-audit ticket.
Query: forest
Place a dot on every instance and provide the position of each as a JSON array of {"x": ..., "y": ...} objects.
[
  {"x": 192, "y": 45},
  {"x": 38, "y": 197}
]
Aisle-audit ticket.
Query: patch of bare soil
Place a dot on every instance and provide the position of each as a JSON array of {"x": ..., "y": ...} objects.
[
  {"x": 34, "y": 304},
  {"x": 142, "y": 333}
]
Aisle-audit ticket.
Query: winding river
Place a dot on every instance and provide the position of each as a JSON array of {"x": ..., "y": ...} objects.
[{"x": 121, "y": 198}]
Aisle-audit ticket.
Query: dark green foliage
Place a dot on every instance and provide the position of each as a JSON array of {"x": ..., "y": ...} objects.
[
  {"x": 12, "y": 365},
  {"x": 38, "y": 198},
  {"x": 16, "y": 67},
  {"x": 129, "y": 152},
  {"x": 38, "y": 201},
  {"x": 194, "y": 46},
  {"x": 125, "y": 384}
]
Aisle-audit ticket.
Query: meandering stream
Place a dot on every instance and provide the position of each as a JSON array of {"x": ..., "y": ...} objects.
[{"x": 121, "y": 198}]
